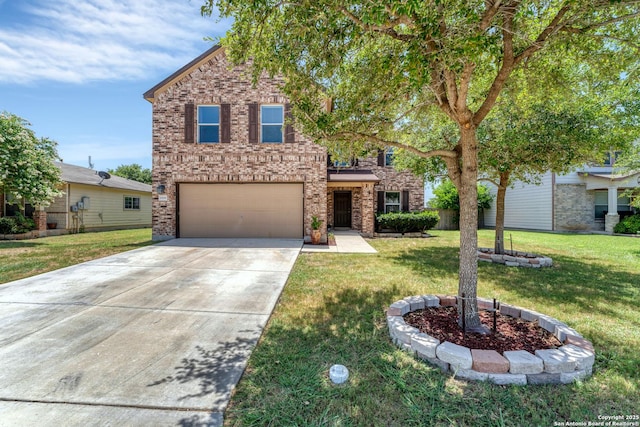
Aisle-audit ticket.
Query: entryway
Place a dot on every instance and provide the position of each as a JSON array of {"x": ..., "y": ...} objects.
[{"x": 342, "y": 209}]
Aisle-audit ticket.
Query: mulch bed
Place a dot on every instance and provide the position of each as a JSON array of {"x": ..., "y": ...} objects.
[{"x": 511, "y": 333}]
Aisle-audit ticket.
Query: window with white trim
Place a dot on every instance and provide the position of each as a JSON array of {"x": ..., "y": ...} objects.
[
  {"x": 208, "y": 124},
  {"x": 271, "y": 123},
  {"x": 131, "y": 203},
  {"x": 391, "y": 201},
  {"x": 611, "y": 157},
  {"x": 388, "y": 156}
]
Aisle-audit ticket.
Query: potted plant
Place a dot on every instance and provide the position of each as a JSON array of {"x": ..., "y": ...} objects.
[{"x": 316, "y": 223}]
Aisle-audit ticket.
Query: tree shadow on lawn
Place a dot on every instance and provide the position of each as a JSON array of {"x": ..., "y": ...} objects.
[
  {"x": 570, "y": 280},
  {"x": 580, "y": 293},
  {"x": 17, "y": 244},
  {"x": 287, "y": 381}
]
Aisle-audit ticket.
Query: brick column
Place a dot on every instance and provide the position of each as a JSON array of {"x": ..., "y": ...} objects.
[
  {"x": 368, "y": 213},
  {"x": 40, "y": 218},
  {"x": 610, "y": 221}
]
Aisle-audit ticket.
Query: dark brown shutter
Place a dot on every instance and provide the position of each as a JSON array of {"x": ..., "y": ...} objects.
[
  {"x": 405, "y": 201},
  {"x": 380, "y": 157},
  {"x": 253, "y": 123},
  {"x": 225, "y": 123},
  {"x": 289, "y": 134},
  {"x": 189, "y": 124},
  {"x": 380, "y": 202},
  {"x": 329, "y": 161}
]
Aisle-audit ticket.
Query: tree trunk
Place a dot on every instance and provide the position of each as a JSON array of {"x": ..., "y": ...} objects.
[
  {"x": 502, "y": 192},
  {"x": 468, "y": 193}
]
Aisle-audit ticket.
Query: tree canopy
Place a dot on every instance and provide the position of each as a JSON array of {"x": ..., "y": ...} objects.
[
  {"x": 134, "y": 172},
  {"x": 389, "y": 70},
  {"x": 27, "y": 168}
]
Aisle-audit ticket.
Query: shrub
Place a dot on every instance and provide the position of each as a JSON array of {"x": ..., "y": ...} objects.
[
  {"x": 8, "y": 225},
  {"x": 16, "y": 224},
  {"x": 629, "y": 225},
  {"x": 407, "y": 222},
  {"x": 446, "y": 197}
]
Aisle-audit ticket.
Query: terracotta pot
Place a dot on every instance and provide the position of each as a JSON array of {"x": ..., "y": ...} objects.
[{"x": 315, "y": 237}]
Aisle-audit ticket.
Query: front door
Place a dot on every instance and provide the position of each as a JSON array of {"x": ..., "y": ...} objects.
[{"x": 342, "y": 209}]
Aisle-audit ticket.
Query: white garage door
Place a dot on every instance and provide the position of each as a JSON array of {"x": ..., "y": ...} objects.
[{"x": 240, "y": 210}]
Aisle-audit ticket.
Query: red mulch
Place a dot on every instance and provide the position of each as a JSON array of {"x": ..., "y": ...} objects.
[{"x": 511, "y": 333}]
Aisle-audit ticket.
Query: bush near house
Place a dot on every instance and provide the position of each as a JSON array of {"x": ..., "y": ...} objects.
[
  {"x": 407, "y": 222},
  {"x": 16, "y": 224},
  {"x": 629, "y": 225}
]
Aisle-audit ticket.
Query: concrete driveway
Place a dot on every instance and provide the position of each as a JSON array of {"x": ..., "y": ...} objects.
[{"x": 154, "y": 336}]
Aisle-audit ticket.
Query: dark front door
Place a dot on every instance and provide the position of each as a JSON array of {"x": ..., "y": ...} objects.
[{"x": 342, "y": 209}]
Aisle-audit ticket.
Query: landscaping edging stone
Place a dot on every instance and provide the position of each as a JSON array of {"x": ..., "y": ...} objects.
[
  {"x": 571, "y": 362},
  {"x": 514, "y": 258}
]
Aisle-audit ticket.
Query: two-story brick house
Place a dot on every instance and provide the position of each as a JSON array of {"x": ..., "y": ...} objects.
[{"x": 227, "y": 163}]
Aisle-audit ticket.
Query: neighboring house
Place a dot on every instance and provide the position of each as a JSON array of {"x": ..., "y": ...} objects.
[
  {"x": 92, "y": 203},
  {"x": 589, "y": 198},
  {"x": 227, "y": 163}
]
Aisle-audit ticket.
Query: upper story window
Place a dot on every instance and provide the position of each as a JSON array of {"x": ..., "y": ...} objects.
[
  {"x": 388, "y": 156},
  {"x": 208, "y": 124},
  {"x": 611, "y": 157},
  {"x": 271, "y": 123}
]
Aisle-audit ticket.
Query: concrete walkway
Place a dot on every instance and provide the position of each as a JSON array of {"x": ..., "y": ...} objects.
[
  {"x": 346, "y": 242},
  {"x": 157, "y": 336}
]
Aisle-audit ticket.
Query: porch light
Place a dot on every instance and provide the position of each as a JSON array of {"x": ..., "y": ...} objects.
[{"x": 161, "y": 189}]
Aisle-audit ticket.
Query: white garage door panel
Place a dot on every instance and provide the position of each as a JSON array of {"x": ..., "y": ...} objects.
[{"x": 241, "y": 210}]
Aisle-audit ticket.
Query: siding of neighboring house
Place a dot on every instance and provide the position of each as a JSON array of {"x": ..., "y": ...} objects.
[
  {"x": 526, "y": 206},
  {"x": 106, "y": 209},
  {"x": 58, "y": 210},
  {"x": 177, "y": 159}
]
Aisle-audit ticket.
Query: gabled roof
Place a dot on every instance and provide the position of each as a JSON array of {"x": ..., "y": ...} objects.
[
  {"x": 150, "y": 95},
  {"x": 79, "y": 175}
]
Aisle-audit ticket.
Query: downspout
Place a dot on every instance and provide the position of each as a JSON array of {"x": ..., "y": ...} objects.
[
  {"x": 553, "y": 201},
  {"x": 68, "y": 206}
]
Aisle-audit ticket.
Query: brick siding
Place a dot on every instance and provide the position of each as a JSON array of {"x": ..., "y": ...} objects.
[
  {"x": 174, "y": 161},
  {"x": 574, "y": 208}
]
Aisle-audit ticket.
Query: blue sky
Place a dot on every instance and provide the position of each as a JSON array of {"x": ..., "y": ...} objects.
[{"x": 76, "y": 70}]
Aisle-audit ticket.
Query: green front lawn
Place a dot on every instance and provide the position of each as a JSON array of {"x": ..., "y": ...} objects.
[
  {"x": 24, "y": 258},
  {"x": 332, "y": 311}
]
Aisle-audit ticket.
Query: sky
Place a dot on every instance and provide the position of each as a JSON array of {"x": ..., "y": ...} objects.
[{"x": 76, "y": 70}]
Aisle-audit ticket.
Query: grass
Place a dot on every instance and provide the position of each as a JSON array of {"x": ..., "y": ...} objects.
[
  {"x": 24, "y": 258},
  {"x": 332, "y": 311}
]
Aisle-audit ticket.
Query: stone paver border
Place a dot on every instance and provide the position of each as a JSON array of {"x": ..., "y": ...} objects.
[
  {"x": 573, "y": 361},
  {"x": 514, "y": 258}
]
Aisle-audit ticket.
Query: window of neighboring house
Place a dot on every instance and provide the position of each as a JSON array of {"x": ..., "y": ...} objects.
[
  {"x": 388, "y": 156},
  {"x": 131, "y": 203},
  {"x": 12, "y": 205},
  {"x": 271, "y": 123},
  {"x": 208, "y": 124},
  {"x": 391, "y": 201},
  {"x": 602, "y": 203},
  {"x": 611, "y": 157}
]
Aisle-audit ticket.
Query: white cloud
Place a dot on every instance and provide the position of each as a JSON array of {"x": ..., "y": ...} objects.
[{"x": 80, "y": 41}]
